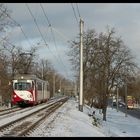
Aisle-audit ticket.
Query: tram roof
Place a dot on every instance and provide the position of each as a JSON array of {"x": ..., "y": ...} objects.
[{"x": 27, "y": 77}]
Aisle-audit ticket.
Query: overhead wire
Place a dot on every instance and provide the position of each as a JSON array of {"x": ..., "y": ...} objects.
[
  {"x": 36, "y": 24},
  {"x": 39, "y": 29},
  {"x": 49, "y": 26},
  {"x": 74, "y": 13},
  {"x": 53, "y": 36},
  {"x": 17, "y": 25},
  {"x": 45, "y": 14},
  {"x": 8, "y": 42},
  {"x": 61, "y": 34},
  {"x": 78, "y": 10}
]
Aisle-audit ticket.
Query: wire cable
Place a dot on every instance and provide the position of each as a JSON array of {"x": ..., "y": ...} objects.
[
  {"x": 36, "y": 24},
  {"x": 53, "y": 36},
  {"x": 74, "y": 14},
  {"x": 78, "y": 10},
  {"x": 16, "y": 23},
  {"x": 39, "y": 29}
]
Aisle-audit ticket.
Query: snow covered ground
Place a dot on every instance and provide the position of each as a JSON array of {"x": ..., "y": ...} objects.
[{"x": 68, "y": 121}]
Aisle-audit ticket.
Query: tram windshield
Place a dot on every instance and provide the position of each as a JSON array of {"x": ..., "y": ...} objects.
[{"x": 22, "y": 86}]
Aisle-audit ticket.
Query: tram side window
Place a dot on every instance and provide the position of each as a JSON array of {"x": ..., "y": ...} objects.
[
  {"x": 48, "y": 87},
  {"x": 39, "y": 86},
  {"x": 27, "y": 86}
]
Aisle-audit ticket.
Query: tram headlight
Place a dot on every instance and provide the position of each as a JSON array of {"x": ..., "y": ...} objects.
[{"x": 15, "y": 96}]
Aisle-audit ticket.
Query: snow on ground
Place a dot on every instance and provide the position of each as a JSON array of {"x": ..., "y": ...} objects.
[
  {"x": 68, "y": 121},
  {"x": 119, "y": 125}
]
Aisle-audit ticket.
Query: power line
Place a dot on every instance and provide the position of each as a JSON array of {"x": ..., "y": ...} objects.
[
  {"x": 49, "y": 24},
  {"x": 17, "y": 25},
  {"x": 24, "y": 34},
  {"x": 36, "y": 24},
  {"x": 62, "y": 35},
  {"x": 78, "y": 10},
  {"x": 74, "y": 13},
  {"x": 39, "y": 28},
  {"x": 45, "y": 14},
  {"x": 4, "y": 39},
  {"x": 52, "y": 35}
]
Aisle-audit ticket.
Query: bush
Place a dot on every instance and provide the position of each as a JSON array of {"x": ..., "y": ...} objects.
[{"x": 96, "y": 121}]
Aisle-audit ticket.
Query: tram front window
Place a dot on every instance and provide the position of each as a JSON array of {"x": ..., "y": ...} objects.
[{"x": 22, "y": 86}]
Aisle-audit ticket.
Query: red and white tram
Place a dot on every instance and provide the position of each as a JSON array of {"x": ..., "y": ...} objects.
[{"x": 29, "y": 90}]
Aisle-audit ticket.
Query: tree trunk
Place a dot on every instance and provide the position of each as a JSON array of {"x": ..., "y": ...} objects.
[
  {"x": 105, "y": 104},
  {"x": 104, "y": 113}
]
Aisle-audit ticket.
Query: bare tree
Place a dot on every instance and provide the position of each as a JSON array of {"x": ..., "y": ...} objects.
[
  {"x": 105, "y": 57},
  {"x": 5, "y": 23},
  {"x": 26, "y": 60}
]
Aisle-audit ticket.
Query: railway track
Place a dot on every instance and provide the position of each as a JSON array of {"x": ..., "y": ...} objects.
[
  {"x": 9, "y": 110},
  {"x": 15, "y": 110},
  {"x": 12, "y": 112},
  {"x": 23, "y": 125}
]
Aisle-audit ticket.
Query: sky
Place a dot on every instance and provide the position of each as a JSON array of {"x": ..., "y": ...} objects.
[{"x": 64, "y": 19}]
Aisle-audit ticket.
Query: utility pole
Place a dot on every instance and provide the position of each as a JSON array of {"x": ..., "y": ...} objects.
[
  {"x": 42, "y": 82},
  {"x": 81, "y": 66},
  {"x": 60, "y": 86},
  {"x": 117, "y": 97},
  {"x": 54, "y": 84},
  {"x": 75, "y": 89},
  {"x": 125, "y": 96},
  {"x": 42, "y": 75}
]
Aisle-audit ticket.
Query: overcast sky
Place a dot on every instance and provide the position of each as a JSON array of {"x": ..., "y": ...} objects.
[{"x": 124, "y": 17}]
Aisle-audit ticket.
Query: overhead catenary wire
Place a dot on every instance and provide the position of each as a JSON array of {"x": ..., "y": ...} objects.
[
  {"x": 78, "y": 10},
  {"x": 26, "y": 37},
  {"x": 3, "y": 39},
  {"x": 16, "y": 23},
  {"x": 36, "y": 23},
  {"x": 63, "y": 37},
  {"x": 49, "y": 24},
  {"x": 45, "y": 14},
  {"x": 51, "y": 32},
  {"x": 74, "y": 13},
  {"x": 39, "y": 29}
]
